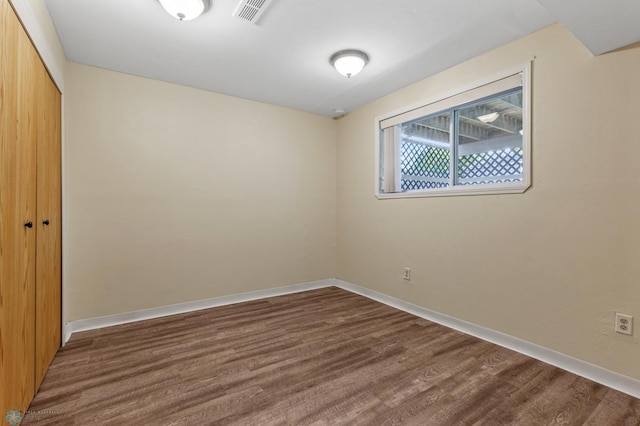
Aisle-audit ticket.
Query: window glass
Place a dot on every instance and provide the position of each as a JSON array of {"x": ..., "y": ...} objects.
[
  {"x": 490, "y": 141},
  {"x": 426, "y": 153}
]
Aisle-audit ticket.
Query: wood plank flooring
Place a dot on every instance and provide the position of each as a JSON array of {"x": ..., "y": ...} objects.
[{"x": 322, "y": 357}]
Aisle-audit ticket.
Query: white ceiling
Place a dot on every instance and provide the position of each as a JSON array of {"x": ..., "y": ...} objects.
[
  {"x": 601, "y": 25},
  {"x": 284, "y": 60}
]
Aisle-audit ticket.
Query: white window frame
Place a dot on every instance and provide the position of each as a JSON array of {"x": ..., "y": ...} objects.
[{"x": 484, "y": 189}]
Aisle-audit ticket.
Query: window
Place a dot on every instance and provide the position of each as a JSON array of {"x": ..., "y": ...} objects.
[{"x": 475, "y": 140}]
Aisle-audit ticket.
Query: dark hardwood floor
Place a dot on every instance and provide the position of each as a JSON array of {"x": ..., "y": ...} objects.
[{"x": 322, "y": 357}]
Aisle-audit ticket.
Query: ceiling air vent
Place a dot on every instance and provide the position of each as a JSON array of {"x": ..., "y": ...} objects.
[{"x": 251, "y": 10}]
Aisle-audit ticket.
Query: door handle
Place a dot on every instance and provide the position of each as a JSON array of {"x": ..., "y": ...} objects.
[
  {"x": 45, "y": 222},
  {"x": 29, "y": 224}
]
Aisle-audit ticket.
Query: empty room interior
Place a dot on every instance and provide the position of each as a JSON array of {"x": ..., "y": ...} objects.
[{"x": 329, "y": 212}]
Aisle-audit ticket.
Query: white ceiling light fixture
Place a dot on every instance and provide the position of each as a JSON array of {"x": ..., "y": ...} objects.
[
  {"x": 185, "y": 10},
  {"x": 349, "y": 62},
  {"x": 488, "y": 118}
]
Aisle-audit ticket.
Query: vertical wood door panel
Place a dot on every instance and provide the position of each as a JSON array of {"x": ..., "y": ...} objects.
[
  {"x": 48, "y": 255},
  {"x": 18, "y": 61}
]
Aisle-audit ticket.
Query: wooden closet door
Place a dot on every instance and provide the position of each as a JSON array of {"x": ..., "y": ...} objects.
[
  {"x": 18, "y": 61},
  {"x": 48, "y": 254}
]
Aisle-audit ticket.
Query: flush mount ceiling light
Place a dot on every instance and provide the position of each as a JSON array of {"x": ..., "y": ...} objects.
[
  {"x": 349, "y": 62},
  {"x": 185, "y": 10},
  {"x": 488, "y": 118}
]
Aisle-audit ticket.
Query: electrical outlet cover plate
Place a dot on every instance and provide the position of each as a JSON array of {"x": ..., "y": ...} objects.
[
  {"x": 624, "y": 324},
  {"x": 407, "y": 273}
]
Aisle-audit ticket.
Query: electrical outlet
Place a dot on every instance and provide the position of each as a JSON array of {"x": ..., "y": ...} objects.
[
  {"x": 624, "y": 324},
  {"x": 407, "y": 273}
]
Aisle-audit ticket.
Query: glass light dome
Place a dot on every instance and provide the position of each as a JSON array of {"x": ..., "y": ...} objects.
[
  {"x": 349, "y": 62},
  {"x": 185, "y": 10}
]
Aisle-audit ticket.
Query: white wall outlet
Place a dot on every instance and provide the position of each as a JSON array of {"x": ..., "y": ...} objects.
[
  {"x": 407, "y": 273},
  {"x": 624, "y": 324}
]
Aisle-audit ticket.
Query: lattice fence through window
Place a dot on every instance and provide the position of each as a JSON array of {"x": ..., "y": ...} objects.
[
  {"x": 423, "y": 166},
  {"x": 503, "y": 165},
  {"x": 427, "y": 167}
]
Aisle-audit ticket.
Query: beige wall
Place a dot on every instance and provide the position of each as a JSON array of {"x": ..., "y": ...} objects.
[
  {"x": 550, "y": 266},
  {"x": 176, "y": 194}
]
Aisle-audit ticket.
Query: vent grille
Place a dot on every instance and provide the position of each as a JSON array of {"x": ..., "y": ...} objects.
[{"x": 251, "y": 10}]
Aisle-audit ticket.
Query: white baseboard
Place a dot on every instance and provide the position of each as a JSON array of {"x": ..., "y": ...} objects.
[
  {"x": 581, "y": 368},
  {"x": 179, "y": 308}
]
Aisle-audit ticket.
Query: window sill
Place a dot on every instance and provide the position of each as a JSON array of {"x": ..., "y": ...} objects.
[{"x": 495, "y": 189}]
